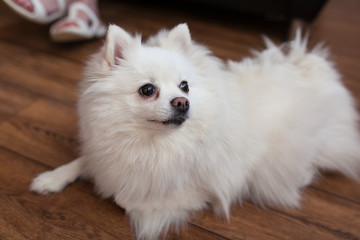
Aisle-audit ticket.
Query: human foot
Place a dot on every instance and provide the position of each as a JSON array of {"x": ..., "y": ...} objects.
[
  {"x": 50, "y": 6},
  {"x": 40, "y": 11},
  {"x": 82, "y": 23},
  {"x": 81, "y": 14},
  {"x": 69, "y": 22}
]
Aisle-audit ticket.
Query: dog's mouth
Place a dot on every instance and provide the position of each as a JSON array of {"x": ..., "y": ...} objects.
[
  {"x": 178, "y": 121},
  {"x": 175, "y": 121}
]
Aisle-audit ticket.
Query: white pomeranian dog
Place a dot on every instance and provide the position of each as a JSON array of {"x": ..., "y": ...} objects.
[{"x": 167, "y": 129}]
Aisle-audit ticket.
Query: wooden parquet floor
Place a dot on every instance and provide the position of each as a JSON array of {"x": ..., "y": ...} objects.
[{"x": 38, "y": 128}]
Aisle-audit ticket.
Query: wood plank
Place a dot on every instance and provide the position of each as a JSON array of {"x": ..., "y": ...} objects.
[
  {"x": 34, "y": 83},
  {"x": 316, "y": 219},
  {"x": 251, "y": 222},
  {"x": 62, "y": 120},
  {"x": 76, "y": 213},
  {"x": 340, "y": 186},
  {"x": 40, "y": 77},
  {"x": 36, "y": 143},
  {"x": 12, "y": 101},
  {"x": 330, "y": 213},
  {"x": 46, "y": 64},
  {"x": 45, "y": 131}
]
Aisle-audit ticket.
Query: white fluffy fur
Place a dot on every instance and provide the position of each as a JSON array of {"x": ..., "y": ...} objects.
[{"x": 258, "y": 129}]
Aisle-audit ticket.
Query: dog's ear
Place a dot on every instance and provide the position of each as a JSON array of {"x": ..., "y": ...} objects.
[
  {"x": 180, "y": 37},
  {"x": 117, "y": 42}
]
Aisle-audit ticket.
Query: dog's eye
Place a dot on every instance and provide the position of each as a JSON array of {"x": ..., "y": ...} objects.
[
  {"x": 147, "y": 90},
  {"x": 184, "y": 86}
]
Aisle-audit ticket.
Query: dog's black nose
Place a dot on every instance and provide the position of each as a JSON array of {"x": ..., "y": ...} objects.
[{"x": 181, "y": 104}]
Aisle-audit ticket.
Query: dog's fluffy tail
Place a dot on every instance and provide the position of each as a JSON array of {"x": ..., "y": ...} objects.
[{"x": 293, "y": 50}]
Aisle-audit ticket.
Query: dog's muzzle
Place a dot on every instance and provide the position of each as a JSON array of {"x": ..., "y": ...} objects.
[{"x": 180, "y": 107}]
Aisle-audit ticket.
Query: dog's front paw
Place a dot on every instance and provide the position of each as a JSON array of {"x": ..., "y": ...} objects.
[{"x": 47, "y": 182}]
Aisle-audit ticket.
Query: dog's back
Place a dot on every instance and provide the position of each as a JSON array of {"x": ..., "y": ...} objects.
[{"x": 302, "y": 117}]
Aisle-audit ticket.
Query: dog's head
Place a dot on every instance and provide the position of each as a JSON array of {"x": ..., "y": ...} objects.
[{"x": 149, "y": 85}]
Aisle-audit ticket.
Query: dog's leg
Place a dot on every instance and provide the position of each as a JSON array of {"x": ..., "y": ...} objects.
[{"x": 55, "y": 180}]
